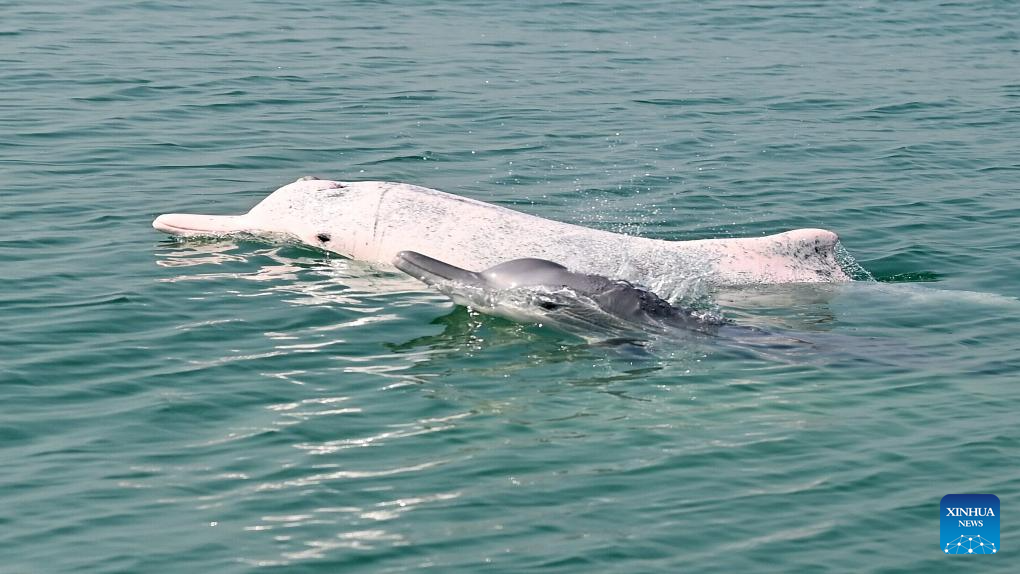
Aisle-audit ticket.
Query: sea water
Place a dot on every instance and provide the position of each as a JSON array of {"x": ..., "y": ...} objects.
[{"x": 236, "y": 406}]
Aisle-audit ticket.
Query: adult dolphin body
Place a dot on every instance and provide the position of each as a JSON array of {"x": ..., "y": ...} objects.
[{"x": 373, "y": 221}]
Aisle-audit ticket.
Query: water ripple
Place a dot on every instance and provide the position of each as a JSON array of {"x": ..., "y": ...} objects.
[{"x": 275, "y": 406}]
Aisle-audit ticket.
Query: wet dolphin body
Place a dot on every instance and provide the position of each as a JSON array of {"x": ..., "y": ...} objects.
[
  {"x": 534, "y": 290},
  {"x": 373, "y": 221},
  {"x": 617, "y": 312}
]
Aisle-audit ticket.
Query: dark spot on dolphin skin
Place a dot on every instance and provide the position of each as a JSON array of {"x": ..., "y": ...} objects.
[{"x": 323, "y": 237}]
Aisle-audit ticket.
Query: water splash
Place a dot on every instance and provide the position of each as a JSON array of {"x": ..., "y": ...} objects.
[{"x": 850, "y": 265}]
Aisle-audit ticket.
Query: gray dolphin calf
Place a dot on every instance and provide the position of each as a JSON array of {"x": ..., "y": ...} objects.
[{"x": 541, "y": 291}]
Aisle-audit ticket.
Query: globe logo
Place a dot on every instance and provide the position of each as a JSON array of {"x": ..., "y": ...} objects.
[{"x": 970, "y": 545}]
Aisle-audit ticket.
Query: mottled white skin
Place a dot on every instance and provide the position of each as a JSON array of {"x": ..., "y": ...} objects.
[{"x": 373, "y": 221}]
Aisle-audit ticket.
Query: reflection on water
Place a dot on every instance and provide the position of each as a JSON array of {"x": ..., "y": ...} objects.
[
  {"x": 783, "y": 323},
  {"x": 378, "y": 410}
]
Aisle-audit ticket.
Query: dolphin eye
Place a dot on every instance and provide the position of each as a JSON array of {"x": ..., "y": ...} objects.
[
  {"x": 323, "y": 237},
  {"x": 549, "y": 305}
]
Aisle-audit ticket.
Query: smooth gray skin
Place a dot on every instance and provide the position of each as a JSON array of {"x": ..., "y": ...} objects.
[{"x": 618, "y": 300}]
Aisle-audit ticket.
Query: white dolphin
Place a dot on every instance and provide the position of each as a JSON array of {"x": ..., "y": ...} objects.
[{"x": 373, "y": 221}]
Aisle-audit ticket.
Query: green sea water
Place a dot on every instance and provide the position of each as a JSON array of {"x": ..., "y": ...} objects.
[{"x": 235, "y": 406}]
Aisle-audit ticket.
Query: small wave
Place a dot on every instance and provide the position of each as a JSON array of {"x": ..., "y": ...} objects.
[{"x": 921, "y": 294}]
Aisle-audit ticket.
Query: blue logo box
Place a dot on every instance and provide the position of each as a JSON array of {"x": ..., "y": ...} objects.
[{"x": 969, "y": 524}]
